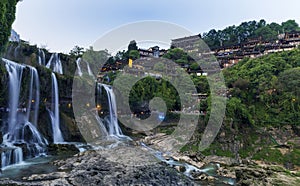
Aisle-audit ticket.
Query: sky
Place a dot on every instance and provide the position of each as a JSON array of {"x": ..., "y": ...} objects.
[{"x": 59, "y": 25}]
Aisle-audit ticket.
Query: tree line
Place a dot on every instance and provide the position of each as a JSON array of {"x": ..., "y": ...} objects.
[{"x": 234, "y": 35}]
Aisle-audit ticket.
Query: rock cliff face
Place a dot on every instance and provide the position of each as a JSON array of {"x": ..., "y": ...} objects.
[
  {"x": 29, "y": 54},
  {"x": 3, "y": 91},
  {"x": 278, "y": 145}
]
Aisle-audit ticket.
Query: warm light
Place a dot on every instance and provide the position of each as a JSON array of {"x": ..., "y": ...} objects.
[
  {"x": 45, "y": 100},
  {"x": 32, "y": 101},
  {"x": 88, "y": 105},
  {"x": 98, "y": 107},
  {"x": 293, "y": 99},
  {"x": 69, "y": 105},
  {"x": 130, "y": 63}
]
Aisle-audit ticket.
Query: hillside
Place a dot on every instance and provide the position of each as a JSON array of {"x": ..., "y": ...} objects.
[{"x": 267, "y": 87}]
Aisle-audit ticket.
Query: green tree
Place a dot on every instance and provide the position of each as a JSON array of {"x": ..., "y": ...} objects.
[
  {"x": 290, "y": 26},
  {"x": 268, "y": 86},
  {"x": 267, "y": 33},
  {"x": 96, "y": 59},
  {"x": 77, "y": 51},
  {"x": 238, "y": 111},
  {"x": 194, "y": 66},
  {"x": 289, "y": 81},
  {"x": 134, "y": 54},
  {"x": 233, "y": 35},
  {"x": 132, "y": 45},
  {"x": 7, "y": 17},
  {"x": 276, "y": 27},
  {"x": 179, "y": 56}
]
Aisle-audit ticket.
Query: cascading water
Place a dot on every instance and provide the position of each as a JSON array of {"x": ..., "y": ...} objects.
[
  {"x": 78, "y": 66},
  {"x": 54, "y": 112},
  {"x": 17, "y": 51},
  {"x": 55, "y": 64},
  {"x": 78, "y": 63},
  {"x": 34, "y": 96},
  {"x": 41, "y": 57},
  {"x": 20, "y": 132},
  {"x": 89, "y": 70},
  {"x": 111, "y": 121}
]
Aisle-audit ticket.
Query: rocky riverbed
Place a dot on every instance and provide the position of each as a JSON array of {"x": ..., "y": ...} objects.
[
  {"x": 243, "y": 171},
  {"x": 135, "y": 165},
  {"x": 123, "y": 165}
]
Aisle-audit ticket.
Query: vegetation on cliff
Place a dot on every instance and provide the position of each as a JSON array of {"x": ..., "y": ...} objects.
[
  {"x": 265, "y": 90},
  {"x": 7, "y": 17},
  {"x": 262, "y": 113}
]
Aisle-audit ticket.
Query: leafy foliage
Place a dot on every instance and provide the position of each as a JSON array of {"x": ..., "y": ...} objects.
[
  {"x": 77, "y": 51},
  {"x": 96, "y": 59},
  {"x": 267, "y": 87},
  {"x": 7, "y": 17},
  {"x": 234, "y": 35},
  {"x": 179, "y": 56}
]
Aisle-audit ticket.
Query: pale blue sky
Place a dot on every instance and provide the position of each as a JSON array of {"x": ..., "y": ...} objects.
[{"x": 62, "y": 24}]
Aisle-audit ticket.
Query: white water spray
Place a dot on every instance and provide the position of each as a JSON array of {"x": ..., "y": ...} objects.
[
  {"x": 55, "y": 64},
  {"x": 20, "y": 132},
  {"x": 78, "y": 66},
  {"x": 54, "y": 112}
]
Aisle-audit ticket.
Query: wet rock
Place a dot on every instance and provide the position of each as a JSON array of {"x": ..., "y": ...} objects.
[
  {"x": 201, "y": 176},
  {"x": 62, "y": 149},
  {"x": 196, "y": 156},
  {"x": 289, "y": 165},
  {"x": 51, "y": 176},
  {"x": 225, "y": 172},
  {"x": 296, "y": 130},
  {"x": 250, "y": 176},
  {"x": 221, "y": 160},
  {"x": 187, "y": 159},
  {"x": 94, "y": 168},
  {"x": 180, "y": 168}
]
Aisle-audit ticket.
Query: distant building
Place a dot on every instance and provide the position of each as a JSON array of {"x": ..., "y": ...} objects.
[
  {"x": 14, "y": 36},
  {"x": 186, "y": 43},
  {"x": 230, "y": 55},
  {"x": 292, "y": 38},
  {"x": 152, "y": 52}
]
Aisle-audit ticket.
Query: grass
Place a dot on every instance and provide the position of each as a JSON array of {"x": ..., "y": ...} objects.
[
  {"x": 189, "y": 147},
  {"x": 215, "y": 149},
  {"x": 270, "y": 155}
]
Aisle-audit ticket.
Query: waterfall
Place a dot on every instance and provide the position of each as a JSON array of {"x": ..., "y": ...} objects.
[
  {"x": 20, "y": 133},
  {"x": 78, "y": 62},
  {"x": 78, "y": 66},
  {"x": 17, "y": 51},
  {"x": 54, "y": 112},
  {"x": 55, "y": 64},
  {"x": 34, "y": 96},
  {"x": 111, "y": 121},
  {"x": 41, "y": 57},
  {"x": 15, "y": 72},
  {"x": 39, "y": 60},
  {"x": 89, "y": 70},
  {"x": 11, "y": 156}
]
